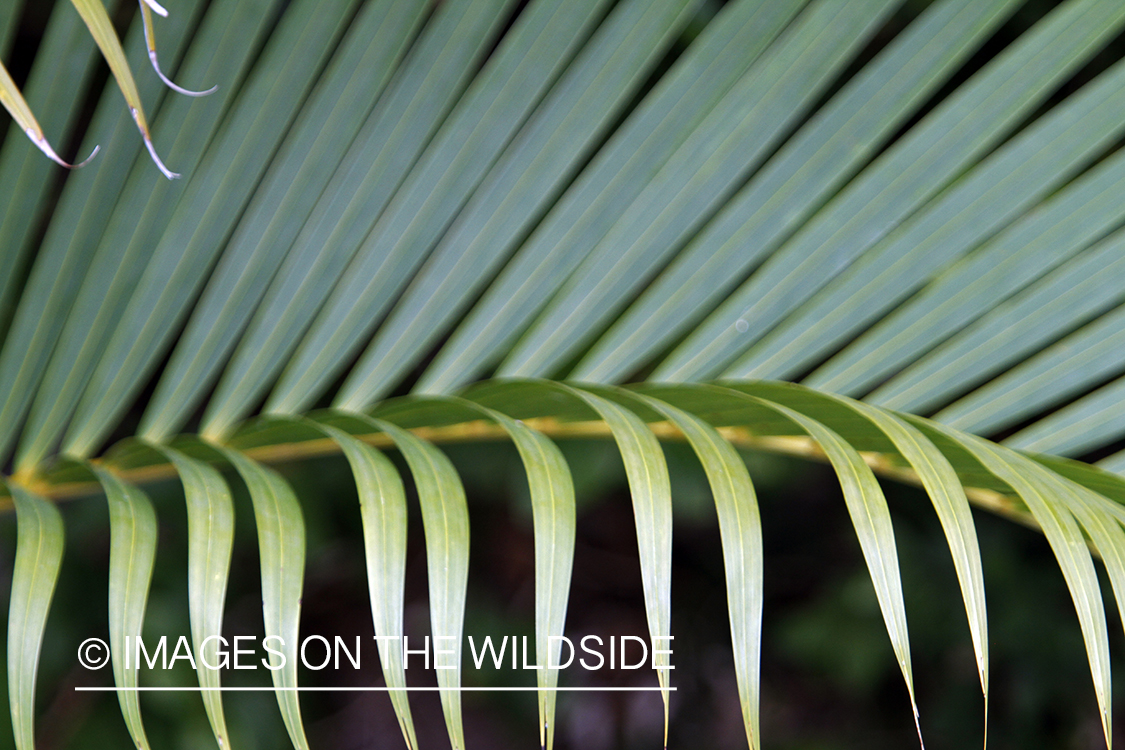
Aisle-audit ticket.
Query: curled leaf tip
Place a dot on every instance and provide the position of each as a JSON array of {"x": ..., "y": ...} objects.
[
  {"x": 157, "y": 8},
  {"x": 143, "y": 127},
  {"x": 87, "y": 160},
  {"x": 170, "y": 84},
  {"x": 152, "y": 152},
  {"x": 45, "y": 147}
]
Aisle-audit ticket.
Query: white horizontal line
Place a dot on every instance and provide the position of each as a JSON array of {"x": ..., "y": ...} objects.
[{"x": 378, "y": 689}]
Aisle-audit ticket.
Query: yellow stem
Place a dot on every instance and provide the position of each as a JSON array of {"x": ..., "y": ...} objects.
[{"x": 481, "y": 430}]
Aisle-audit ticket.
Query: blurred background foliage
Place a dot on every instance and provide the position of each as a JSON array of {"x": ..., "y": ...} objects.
[{"x": 829, "y": 676}]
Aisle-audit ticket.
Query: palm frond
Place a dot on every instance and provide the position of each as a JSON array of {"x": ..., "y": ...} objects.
[{"x": 392, "y": 197}]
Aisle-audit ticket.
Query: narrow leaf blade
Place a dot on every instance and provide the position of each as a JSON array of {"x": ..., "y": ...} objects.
[
  {"x": 281, "y": 548},
  {"x": 382, "y": 501},
  {"x": 210, "y": 511},
  {"x": 1066, "y": 540},
  {"x": 445, "y": 518},
  {"x": 554, "y": 526},
  {"x": 39, "y": 550},
  {"x": 872, "y": 521},
  {"x": 740, "y": 527},
  {"x": 132, "y": 551}
]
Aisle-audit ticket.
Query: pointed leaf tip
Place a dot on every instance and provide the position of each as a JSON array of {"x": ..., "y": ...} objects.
[
  {"x": 42, "y": 144},
  {"x": 160, "y": 165},
  {"x": 147, "y": 136},
  {"x": 13, "y": 101}
]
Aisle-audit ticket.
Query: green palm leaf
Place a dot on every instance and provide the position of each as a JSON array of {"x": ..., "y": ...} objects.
[
  {"x": 38, "y": 557},
  {"x": 872, "y": 198}
]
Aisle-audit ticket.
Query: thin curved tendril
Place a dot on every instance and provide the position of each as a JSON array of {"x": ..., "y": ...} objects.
[
  {"x": 170, "y": 84},
  {"x": 152, "y": 149},
  {"x": 150, "y": 40},
  {"x": 152, "y": 152},
  {"x": 45, "y": 147}
]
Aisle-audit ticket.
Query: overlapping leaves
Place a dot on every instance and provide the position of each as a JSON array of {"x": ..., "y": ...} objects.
[
  {"x": 714, "y": 419},
  {"x": 584, "y": 189}
]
